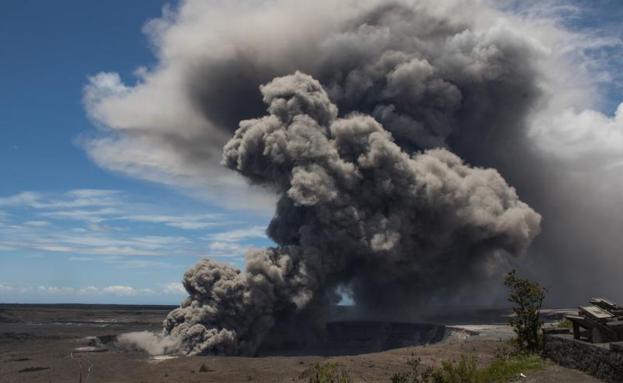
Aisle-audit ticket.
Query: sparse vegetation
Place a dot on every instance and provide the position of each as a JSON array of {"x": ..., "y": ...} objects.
[
  {"x": 509, "y": 363},
  {"x": 527, "y": 297},
  {"x": 565, "y": 323},
  {"x": 467, "y": 371},
  {"x": 463, "y": 371},
  {"x": 327, "y": 373},
  {"x": 417, "y": 373},
  {"x": 505, "y": 370},
  {"x": 204, "y": 368}
]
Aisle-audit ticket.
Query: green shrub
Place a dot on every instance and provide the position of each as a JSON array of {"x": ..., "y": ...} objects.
[
  {"x": 505, "y": 370},
  {"x": 416, "y": 373},
  {"x": 466, "y": 371},
  {"x": 327, "y": 373},
  {"x": 527, "y": 298},
  {"x": 565, "y": 323},
  {"x": 463, "y": 371}
]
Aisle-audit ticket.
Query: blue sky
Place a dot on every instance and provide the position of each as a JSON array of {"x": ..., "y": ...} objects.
[
  {"x": 69, "y": 230},
  {"x": 72, "y": 231}
]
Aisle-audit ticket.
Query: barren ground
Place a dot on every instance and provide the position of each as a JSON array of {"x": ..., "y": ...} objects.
[{"x": 38, "y": 344}]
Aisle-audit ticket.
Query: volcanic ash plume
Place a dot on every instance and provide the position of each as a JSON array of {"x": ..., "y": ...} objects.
[{"x": 354, "y": 210}]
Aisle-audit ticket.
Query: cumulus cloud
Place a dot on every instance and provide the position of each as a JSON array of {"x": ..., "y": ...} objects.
[
  {"x": 586, "y": 137},
  {"x": 175, "y": 288}
]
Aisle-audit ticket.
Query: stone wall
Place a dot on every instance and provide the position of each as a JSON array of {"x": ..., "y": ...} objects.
[{"x": 594, "y": 359}]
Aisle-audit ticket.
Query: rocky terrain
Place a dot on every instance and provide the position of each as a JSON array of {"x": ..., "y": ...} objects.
[{"x": 69, "y": 343}]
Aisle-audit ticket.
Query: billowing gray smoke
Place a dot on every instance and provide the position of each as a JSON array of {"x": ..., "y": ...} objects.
[
  {"x": 431, "y": 81},
  {"x": 373, "y": 203},
  {"x": 354, "y": 209}
]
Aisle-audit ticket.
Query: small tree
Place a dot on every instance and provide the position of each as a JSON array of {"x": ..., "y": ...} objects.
[{"x": 527, "y": 298}]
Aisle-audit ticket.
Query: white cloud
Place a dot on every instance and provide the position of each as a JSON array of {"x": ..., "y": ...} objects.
[
  {"x": 239, "y": 234},
  {"x": 110, "y": 245},
  {"x": 91, "y": 216},
  {"x": 174, "y": 288},
  {"x": 9, "y": 289},
  {"x": 186, "y": 222},
  {"x": 96, "y": 206},
  {"x": 107, "y": 223},
  {"x": 124, "y": 290},
  {"x": 124, "y": 262},
  {"x": 21, "y": 199},
  {"x": 90, "y": 291},
  {"x": 113, "y": 104},
  {"x": 142, "y": 264},
  {"x": 56, "y": 290},
  {"x": 54, "y": 248},
  {"x": 230, "y": 244},
  {"x": 581, "y": 135},
  {"x": 71, "y": 199},
  {"x": 83, "y": 198},
  {"x": 36, "y": 223},
  {"x": 139, "y": 158},
  {"x": 228, "y": 249}
]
